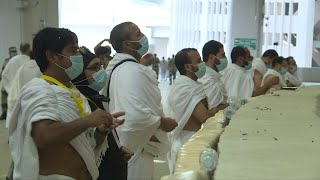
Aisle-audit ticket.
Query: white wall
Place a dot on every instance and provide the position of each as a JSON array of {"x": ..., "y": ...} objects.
[
  {"x": 160, "y": 47},
  {"x": 46, "y": 10},
  {"x": 245, "y": 22},
  {"x": 301, "y": 24},
  {"x": 19, "y": 24},
  {"x": 10, "y": 34},
  {"x": 195, "y": 22}
]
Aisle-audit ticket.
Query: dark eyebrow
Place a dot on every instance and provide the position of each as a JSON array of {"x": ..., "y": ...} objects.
[{"x": 74, "y": 47}]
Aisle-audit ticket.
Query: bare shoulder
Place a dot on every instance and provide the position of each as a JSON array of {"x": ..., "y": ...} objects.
[
  {"x": 257, "y": 73},
  {"x": 274, "y": 80}
]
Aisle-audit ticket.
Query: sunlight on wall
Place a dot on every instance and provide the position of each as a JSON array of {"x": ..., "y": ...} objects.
[{"x": 93, "y": 20}]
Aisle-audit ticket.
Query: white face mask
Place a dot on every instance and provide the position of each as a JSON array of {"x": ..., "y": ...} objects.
[
  {"x": 76, "y": 67},
  {"x": 201, "y": 70},
  {"x": 223, "y": 64},
  {"x": 144, "y": 45}
]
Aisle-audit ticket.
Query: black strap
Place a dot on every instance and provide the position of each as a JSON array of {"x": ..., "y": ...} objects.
[{"x": 126, "y": 60}]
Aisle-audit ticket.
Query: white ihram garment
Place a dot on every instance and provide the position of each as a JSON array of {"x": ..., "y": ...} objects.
[
  {"x": 38, "y": 101},
  {"x": 238, "y": 82},
  {"x": 183, "y": 98},
  {"x": 134, "y": 90}
]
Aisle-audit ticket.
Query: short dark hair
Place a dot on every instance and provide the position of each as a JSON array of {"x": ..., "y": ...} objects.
[
  {"x": 52, "y": 39},
  {"x": 277, "y": 60},
  {"x": 24, "y": 47},
  {"x": 182, "y": 58},
  {"x": 102, "y": 50},
  {"x": 211, "y": 47},
  {"x": 119, "y": 34},
  {"x": 12, "y": 48},
  {"x": 237, "y": 52},
  {"x": 270, "y": 53},
  {"x": 289, "y": 58}
]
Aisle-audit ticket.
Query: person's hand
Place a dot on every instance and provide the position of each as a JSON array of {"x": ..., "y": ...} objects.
[
  {"x": 215, "y": 109},
  {"x": 127, "y": 153},
  {"x": 115, "y": 122},
  {"x": 277, "y": 87},
  {"x": 104, "y": 120},
  {"x": 223, "y": 106},
  {"x": 168, "y": 124}
]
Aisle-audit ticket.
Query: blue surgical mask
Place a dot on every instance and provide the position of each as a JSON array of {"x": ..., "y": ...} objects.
[
  {"x": 269, "y": 66},
  {"x": 249, "y": 66},
  {"x": 283, "y": 71},
  {"x": 100, "y": 80},
  {"x": 76, "y": 67},
  {"x": 223, "y": 64},
  {"x": 294, "y": 69},
  {"x": 144, "y": 45},
  {"x": 13, "y": 53},
  {"x": 201, "y": 70}
]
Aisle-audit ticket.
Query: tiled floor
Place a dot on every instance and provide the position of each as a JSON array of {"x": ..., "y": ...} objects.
[
  {"x": 161, "y": 166},
  {"x": 4, "y": 150}
]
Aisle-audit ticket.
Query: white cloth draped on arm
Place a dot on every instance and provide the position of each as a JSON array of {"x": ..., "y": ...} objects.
[
  {"x": 134, "y": 90},
  {"x": 214, "y": 88},
  {"x": 292, "y": 79},
  {"x": 238, "y": 82},
  {"x": 24, "y": 74},
  {"x": 259, "y": 65},
  {"x": 273, "y": 72},
  {"x": 183, "y": 98},
  {"x": 11, "y": 68},
  {"x": 39, "y": 100}
]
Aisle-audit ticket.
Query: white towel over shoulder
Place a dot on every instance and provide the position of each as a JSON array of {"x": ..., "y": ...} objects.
[
  {"x": 183, "y": 98},
  {"x": 38, "y": 101},
  {"x": 238, "y": 82},
  {"x": 214, "y": 88}
]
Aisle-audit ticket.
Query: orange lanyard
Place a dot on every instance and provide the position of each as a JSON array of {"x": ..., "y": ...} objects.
[{"x": 78, "y": 100}]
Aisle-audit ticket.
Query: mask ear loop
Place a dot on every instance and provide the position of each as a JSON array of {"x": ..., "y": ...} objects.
[
  {"x": 82, "y": 81},
  {"x": 85, "y": 79},
  {"x": 134, "y": 42},
  {"x": 214, "y": 61},
  {"x": 63, "y": 55},
  {"x": 79, "y": 85},
  {"x": 58, "y": 64}
]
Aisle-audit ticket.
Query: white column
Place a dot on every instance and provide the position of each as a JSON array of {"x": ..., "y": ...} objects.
[
  {"x": 204, "y": 24},
  {"x": 307, "y": 44},
  {"x": 243, "y": 23}
]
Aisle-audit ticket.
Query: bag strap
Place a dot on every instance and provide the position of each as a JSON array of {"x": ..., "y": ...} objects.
[{"x": 126, "y": 60}]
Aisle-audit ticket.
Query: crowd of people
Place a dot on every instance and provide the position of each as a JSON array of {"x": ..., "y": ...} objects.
[
  {"x": 165, "y": 69},
  {"x": 74, "y": 114}
]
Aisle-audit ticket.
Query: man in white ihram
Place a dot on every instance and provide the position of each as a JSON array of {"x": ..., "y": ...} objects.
[
  {"x": 52, "y": 132},
  {"x": 291, "y": 76},
  {"x": 214, "y": 56},
  {"x": 9, "y": 73},
  {"x": 187, "y": 101},
  {"x": 262, "y": 64},
  {"x": 133, "y": 88},
  {"x": 239, "y": 82},
  {"x": 275, "y": 76},
  {"x": 24, "y": 74}
]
